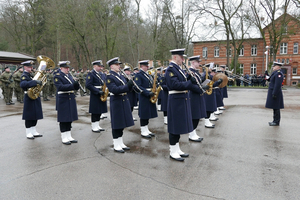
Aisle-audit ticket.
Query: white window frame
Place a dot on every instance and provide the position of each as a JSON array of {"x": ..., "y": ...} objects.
[
  {"x": 287, "y": 61},
  {"x": 296, "y": 48},
  {"x": 283, "y": 48},
  {"x": 294, "y": 73},
  {"x": 217, "y": 51},
  {"x": 242, "y": 51},
  {"x": 254, "y": 50},
  {"x": 283, "y": 61},
  {"x": 253, "y": 69},
  {"x": 230, "y": 52},
  {"x": 285, "y": 29},
  {"x": 241, "y": 68},
  {"x": 204, "y": 52}
]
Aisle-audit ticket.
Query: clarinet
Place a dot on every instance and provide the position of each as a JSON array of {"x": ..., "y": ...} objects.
[{"x": 193, "y": 75}]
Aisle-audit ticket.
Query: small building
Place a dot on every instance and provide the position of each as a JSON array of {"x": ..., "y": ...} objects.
[{"x": 13, "y": 59}]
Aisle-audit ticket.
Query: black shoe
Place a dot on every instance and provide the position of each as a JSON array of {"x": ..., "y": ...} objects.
[
  {"x": 210, "y": 126},
  {"x": 185, "y": 155},
  {"x": 102, "y": 129},
  {"x": 31, "y": 138},
  {"x": 152, "y": 134},
  {"x": 126, "y": 148},
  {"x": 46, "y": 100},
  {"x": 119, "y": 151},
  {"x": 97, "y": 131},
  {"x": 21, "y": 101},
  {"x": 37, "y": 135},
  {"x": 197, "y": 140},
  {"x": 146, "y": 136},
  {"x": 12, "y": 103},
  {"x": 177, "y": 159},
  {"x": 8, "y": 103},
  {"x": 67, "y": 143},
  {"x": 215, "y": 119},
  {"x": 273, "y": 124},
  {"x": 73, "y": 141}
]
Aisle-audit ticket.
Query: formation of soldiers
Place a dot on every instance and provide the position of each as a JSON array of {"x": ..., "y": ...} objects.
[{"x": 183, "y": 98}]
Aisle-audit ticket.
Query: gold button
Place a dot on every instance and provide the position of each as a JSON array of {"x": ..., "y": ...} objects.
[{"x": 185, "y": 98}]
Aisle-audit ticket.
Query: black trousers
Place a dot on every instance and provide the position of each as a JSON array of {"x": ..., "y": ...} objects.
[
  {"x": 276, "y": 115},
  {"x": 116, "y": 133},
  {"x": 30, "y": 123},
  {"x": 144, "y": 122},
  {"x": 173, "y": 139},
  {"x": 208, "y": 114},
  {"x": 95, "y": 117},
  {"x": 195, "y": 123},
  {"x": 65, "y": 126}
]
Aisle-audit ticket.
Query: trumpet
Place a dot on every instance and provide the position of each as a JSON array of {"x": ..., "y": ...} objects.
[
  {"x": 80, "y": 86},
  {"x": 235, "y": 76}
]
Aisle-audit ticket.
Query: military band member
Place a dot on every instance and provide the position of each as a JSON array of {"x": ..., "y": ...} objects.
[
  {"x": 120, "y": 112},
  {"x": 198, "y": 106},
  {"x": 275, "y": 97},
  {"x": 147, "y": 110},
  {"x": 131, "y": 94},
  {"x": 7, "y": 85},
  {"x": 135, "y": 71},
  {"x": 159, "y": 76},
  {"x": 95, "y": 83},
  {"x": 179, "y": 108},
  {"x": 224, "y": 89},
  {"x": 46, "y": 88},
  {"x": 17, "y": 80},
  {"x": 210, "y": 100},
  {"x": 32, "y": 109},
  {"x": 164, "y": 96},
  {"x": 66, "y": 103}
]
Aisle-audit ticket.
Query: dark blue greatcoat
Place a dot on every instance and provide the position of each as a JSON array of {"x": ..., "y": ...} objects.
[
  {"x": 32, "y": 109},
  {"x": 219, "y": 97},
  {"x": 120, "y": 111},
  {"x": 66, "y": 103},
  {"x": 210, "y": 100},
  {"x": 179, "y": 108},
  {"x": 275, "y": 85},
  {"x": 198, "y": 106},
  {"x": 93, "y": 79},
  {"x": 164, "y": 94},
  {"x": 159, "y": 77},
  {"x": 132, "y": 96},
  {"x": 147, "y": 110}
]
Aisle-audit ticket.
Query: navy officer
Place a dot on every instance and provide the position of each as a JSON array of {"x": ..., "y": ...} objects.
[
  {"x": 32, "y": 109},
  {"x": 95, "y": 83},
  {"x": 120, "y": 112},
  {"x": 179, "y": 108},
  {"x": 147, "y": 110},
  {"x": 66, "y": 103},
  {"x": 197, "y": 99},
  {"x": 275, "y": 97}
]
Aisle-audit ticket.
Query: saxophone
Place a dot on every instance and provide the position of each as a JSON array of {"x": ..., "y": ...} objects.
[
  {"x": 210, "y": 84},
  {"x": 105, "y": 95},
  {"x": 44, "y": 63},
  {"x": 155, "y": 90}
]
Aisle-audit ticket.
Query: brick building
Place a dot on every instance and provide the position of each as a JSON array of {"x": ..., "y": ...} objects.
[{"x": 252, "y": 57}]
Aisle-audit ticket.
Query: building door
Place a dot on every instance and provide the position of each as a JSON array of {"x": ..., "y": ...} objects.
[{"x": 286, "y": 70}]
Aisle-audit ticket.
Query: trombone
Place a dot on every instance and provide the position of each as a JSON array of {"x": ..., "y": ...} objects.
[{"x": 238, "y": 77}]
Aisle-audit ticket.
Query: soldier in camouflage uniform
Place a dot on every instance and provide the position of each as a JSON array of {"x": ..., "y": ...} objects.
[
  {"x": 46, "y": 86},
  {"x": 17, "y": 79},
  {"x": 84, "y": 76},
  {"x": 81, "y": 80},
  {"x": 52, "y": 86},
  {"x": 7, "y": 87}
]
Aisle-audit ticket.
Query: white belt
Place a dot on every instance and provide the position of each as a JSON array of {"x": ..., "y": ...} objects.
[
  {"x": 25, "y": 92},
  {"x": 98, "y": 87},
  {"x": 121, "y": 94},
  {"x": 177, "y": 92},
  {"x": 149, "y": 89},
  {"x": 65, "y": 92}
]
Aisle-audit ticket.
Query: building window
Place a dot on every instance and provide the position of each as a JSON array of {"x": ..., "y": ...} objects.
[
  {"x": 204, "y": 52},
  {"x": 253, "y": 50},
  {"x": 241, "y": 68},
  {"x": 283, "y": 61},
  {"x": 229, "y": 52},
  {"x": 242, "y": 51},
  {"x": 283, "y": 48},
  {"x": 216, "y": 66},
  {"x": 285, "y": 29},
  {"x": 217, "y": 51},
  {"x": 287, "y": 61},
  {"x": 295, "y": 48},
  {"x": 294, "y": 83},
  {"x": 253, "y": 69},
  {"x": 295, "y": 71}
]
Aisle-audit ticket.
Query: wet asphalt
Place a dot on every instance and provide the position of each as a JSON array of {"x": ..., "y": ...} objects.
[{"x": 241, "y": 158}]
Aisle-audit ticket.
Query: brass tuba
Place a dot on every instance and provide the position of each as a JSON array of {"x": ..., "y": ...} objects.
[
  {"x": 44, "y": 63},
  {"x": 209, "y": 83},
  {"x": 223, "y": 77},
  {"x": 155, "y": 89}
]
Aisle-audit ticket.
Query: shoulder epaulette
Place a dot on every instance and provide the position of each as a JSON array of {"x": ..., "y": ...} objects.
[
  {"x": 57, "y": 74},
  {"x": 170, "y": 65},
  {"x": 108, "y": 74}
]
